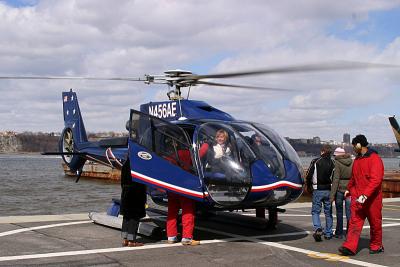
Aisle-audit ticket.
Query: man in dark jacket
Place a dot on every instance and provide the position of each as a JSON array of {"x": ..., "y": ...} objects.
[
  {"x": 365, "y": 189},
  {"x": 133, "y": 201},
  {"x": 318, "y": 181}
]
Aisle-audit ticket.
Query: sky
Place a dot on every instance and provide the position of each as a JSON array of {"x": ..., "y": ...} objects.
[{"x": 132, "y": 38}]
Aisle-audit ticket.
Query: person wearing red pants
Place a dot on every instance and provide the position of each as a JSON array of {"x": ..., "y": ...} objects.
[
  {"x": 366, "y": 198},
  {"x": 182, "y": 158},
  {"x": 188, "y": 208}
]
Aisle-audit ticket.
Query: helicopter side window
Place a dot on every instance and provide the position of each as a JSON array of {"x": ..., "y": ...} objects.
[
  {"x": 164, "y": 139},
  {"x": 140, "y": 131},
  {"x": 271, "y": 157},
  {"x": 173, "y": 149},
  {"x": 281, "y": 143},
  {"x": 171, "y": 143}
]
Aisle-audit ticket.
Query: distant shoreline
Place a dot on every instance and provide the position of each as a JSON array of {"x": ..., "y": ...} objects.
[{"x": 40, "y": 153}]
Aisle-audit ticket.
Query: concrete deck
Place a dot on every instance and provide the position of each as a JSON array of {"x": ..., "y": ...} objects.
[{"x": 73, "y": 240}]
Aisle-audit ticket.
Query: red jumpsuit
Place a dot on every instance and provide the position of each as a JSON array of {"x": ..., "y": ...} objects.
[
  {"x": 175, "y": 201},
  {"x": 366, "y": 180}
]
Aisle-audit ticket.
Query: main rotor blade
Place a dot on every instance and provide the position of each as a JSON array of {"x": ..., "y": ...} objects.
[
  {"x": 245, "y": 86},
  {"x": 327, "y": 66},
  {"x": 69, "y": 78}
]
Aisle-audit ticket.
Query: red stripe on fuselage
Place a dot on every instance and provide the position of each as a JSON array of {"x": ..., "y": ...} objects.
[{"x": 276, "y": 186}]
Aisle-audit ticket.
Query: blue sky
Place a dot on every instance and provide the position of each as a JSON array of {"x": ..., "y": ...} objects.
[
  {"x": 133, "y": 38},
  {"x": 20, "y": 3},
  {"x": 379, "y": 28}
]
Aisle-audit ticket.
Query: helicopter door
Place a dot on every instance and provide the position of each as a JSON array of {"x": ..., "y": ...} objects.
[
  {"x": 226, "y": 166},
  {"x": 161, "y": 156}
]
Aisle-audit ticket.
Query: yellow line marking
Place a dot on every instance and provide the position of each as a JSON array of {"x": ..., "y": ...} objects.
[
  {"x": 390, "y": 208},
  {"x": 328, "y": 256}
]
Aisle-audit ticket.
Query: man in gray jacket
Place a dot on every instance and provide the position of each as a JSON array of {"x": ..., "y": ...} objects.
[{"x": 341, "y": 177}]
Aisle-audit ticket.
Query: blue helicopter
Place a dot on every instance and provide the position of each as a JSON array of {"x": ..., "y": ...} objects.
[
  {"x": 168, "y": 143},
  {"x": 253, "y": 175}
]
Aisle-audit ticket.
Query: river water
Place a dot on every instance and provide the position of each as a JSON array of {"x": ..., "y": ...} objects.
[
  {"x": 390, "y": 163},
  {"x": 35, "y": 184}
]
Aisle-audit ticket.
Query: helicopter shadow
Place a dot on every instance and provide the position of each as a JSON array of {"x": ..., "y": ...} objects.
[{"x": 223, "y": 225}]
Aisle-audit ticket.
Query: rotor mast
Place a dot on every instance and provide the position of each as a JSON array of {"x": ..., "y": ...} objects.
[{"x": 177, "y": 79}]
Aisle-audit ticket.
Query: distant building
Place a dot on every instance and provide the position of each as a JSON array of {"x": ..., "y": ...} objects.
[
  {"x": 316, "y": 140},
  {"x": 346, "y": 138},
  {"x": 8, "y": 134}
]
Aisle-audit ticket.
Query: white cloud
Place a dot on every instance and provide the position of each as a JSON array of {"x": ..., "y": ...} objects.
[{"x": 132, "y": 38}]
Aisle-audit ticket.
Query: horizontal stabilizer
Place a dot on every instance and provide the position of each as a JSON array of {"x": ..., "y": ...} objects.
[{"x": 64, "y": 153}]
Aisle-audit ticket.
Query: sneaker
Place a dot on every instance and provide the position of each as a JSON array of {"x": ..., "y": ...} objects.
[
  {"x": 172, "y": 240},
  {"x": 327, "y": 237},
  {"x": 191, "y": 242},
  {"x": 346, "y": 252},
  {"x": 318, "y": 235},
  {"x": 379, "y": 250},
  {"x": 338, "y": 236}
]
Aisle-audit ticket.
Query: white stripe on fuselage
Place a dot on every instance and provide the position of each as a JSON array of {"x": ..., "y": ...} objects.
[{"x": 178, "y": 188}]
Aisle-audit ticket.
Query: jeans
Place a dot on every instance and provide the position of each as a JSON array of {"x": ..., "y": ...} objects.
[
  {"x": 339, "y": 211},
  {"x": 129, "y": 228},
  {"x": 319, "y": 197}
]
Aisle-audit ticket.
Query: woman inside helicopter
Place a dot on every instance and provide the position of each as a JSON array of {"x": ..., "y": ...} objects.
[
  {"x": 220, "y": 150},
  {"x": 223, "y": 164}
]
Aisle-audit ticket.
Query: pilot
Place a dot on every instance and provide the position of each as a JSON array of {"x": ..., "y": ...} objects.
[{"x": 264, "y": 149}]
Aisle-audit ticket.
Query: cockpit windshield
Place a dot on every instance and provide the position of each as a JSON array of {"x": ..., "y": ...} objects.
[
  {"x": 263, "y": 148},
  {"x": 282, "y": 144},
  {"x": 225, "y": 161}
]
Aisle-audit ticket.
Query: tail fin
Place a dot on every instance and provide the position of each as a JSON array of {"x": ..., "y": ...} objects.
[
  {"x": 73, "y": 118},
  {"x": 396, "y": 130},
  {"x": 73, "y": 135}
]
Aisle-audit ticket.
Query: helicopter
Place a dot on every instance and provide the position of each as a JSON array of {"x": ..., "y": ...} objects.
[{"x": 264, "y": 174}]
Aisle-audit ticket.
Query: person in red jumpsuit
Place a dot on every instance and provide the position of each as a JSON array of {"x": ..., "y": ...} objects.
[
  {"x": 366, "y": 198},
  {"x": 182, "y": 158}
]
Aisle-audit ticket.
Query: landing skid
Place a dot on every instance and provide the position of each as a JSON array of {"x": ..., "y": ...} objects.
[
  {"x": 272, "y": 216},
  {"x": 146, "y": 226},
  {"x": 224, "y": 217}
]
